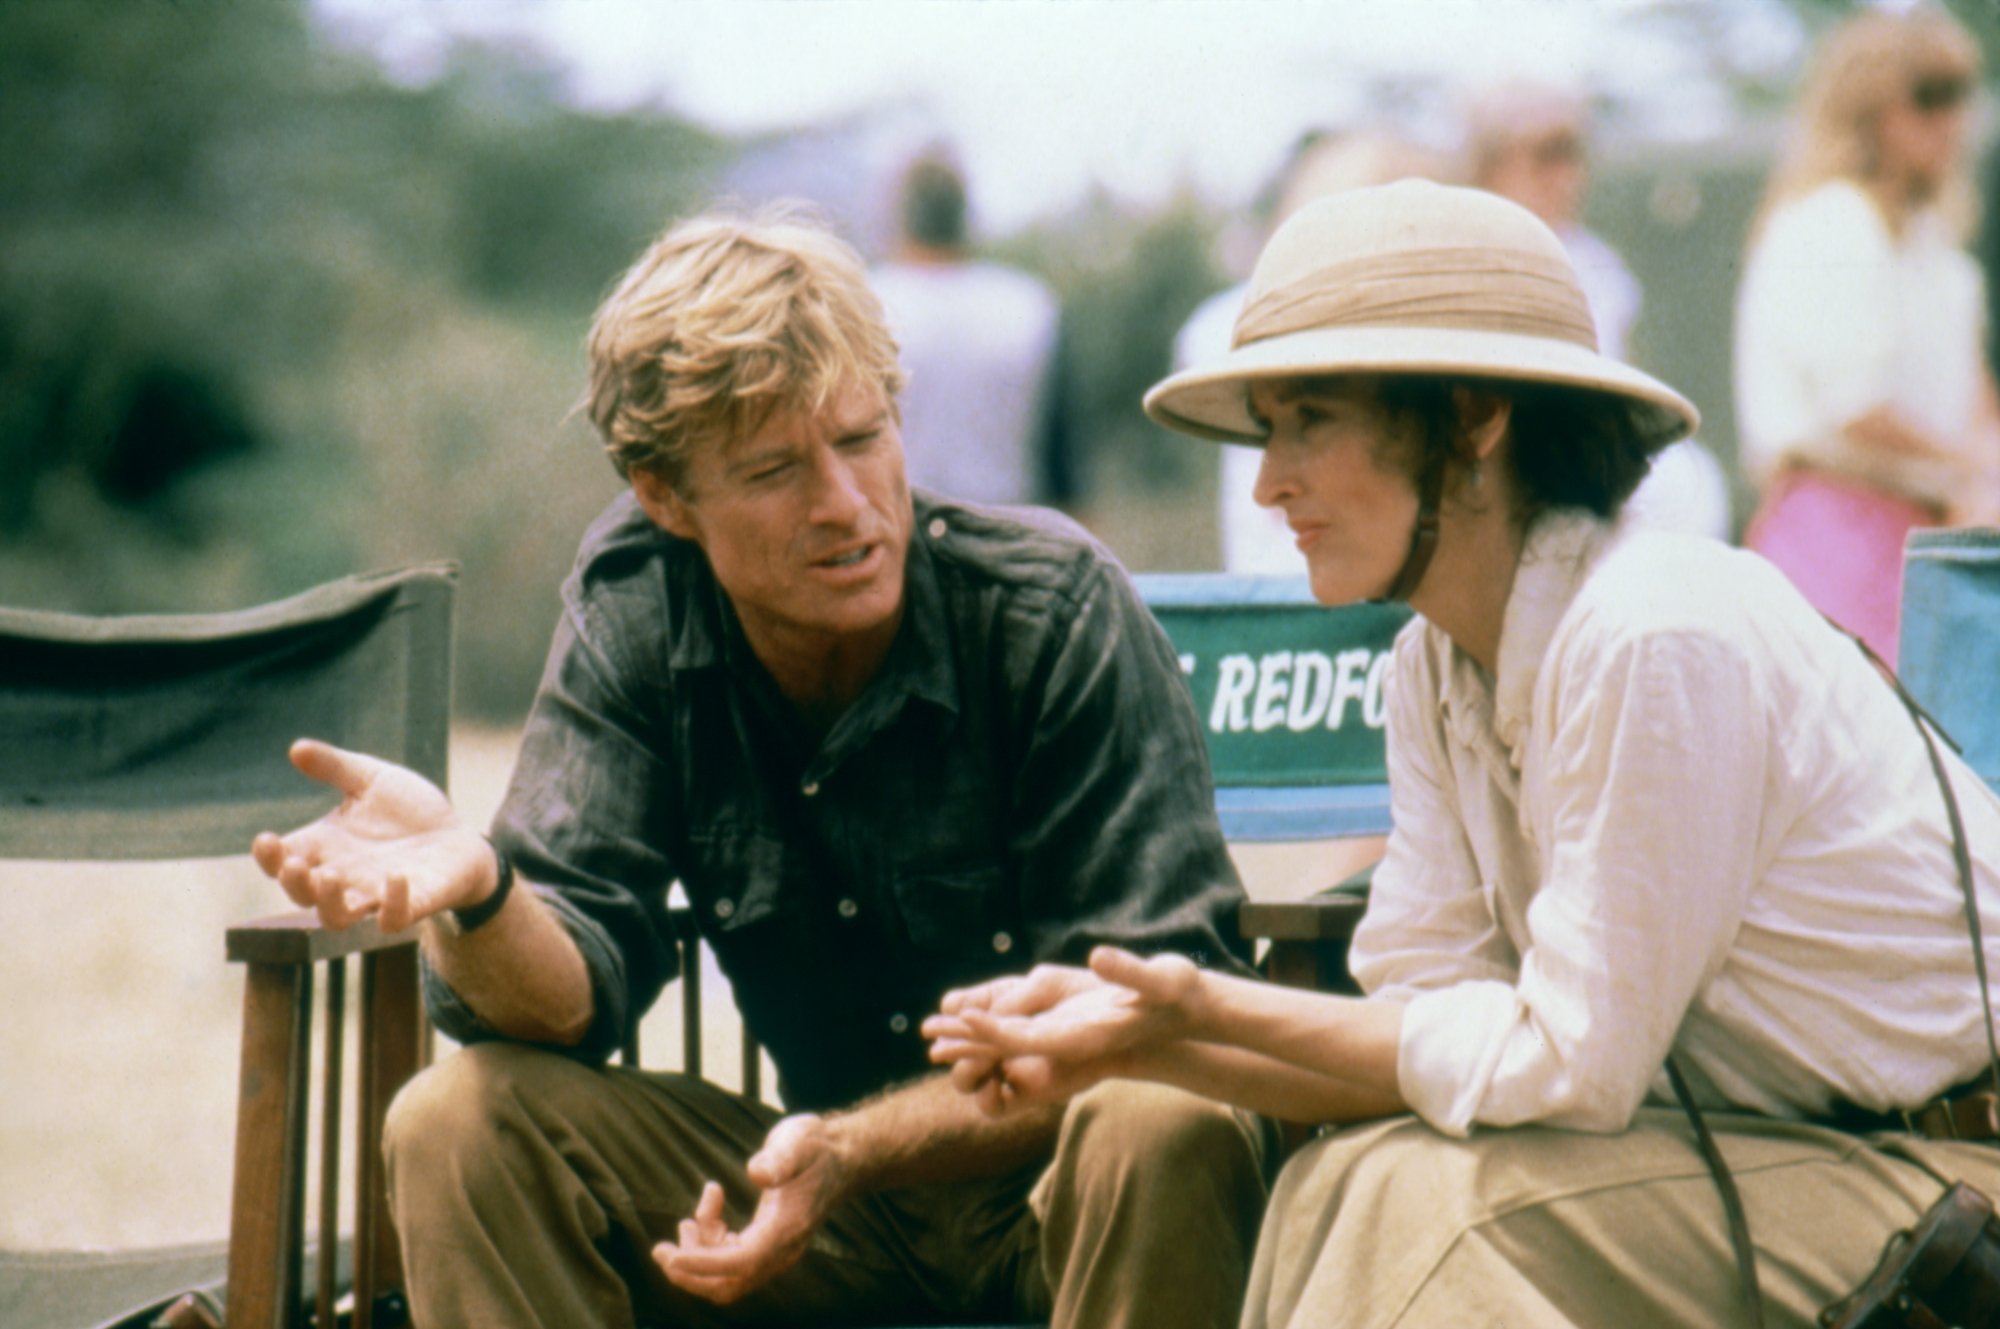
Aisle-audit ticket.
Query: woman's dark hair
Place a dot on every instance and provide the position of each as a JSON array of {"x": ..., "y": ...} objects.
[{"x": 1573, "y": 448}]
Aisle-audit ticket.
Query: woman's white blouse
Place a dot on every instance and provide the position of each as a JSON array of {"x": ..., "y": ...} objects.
[
  {"x": 1686, "y": 815},
  {"x": 1835, "y": 317}
]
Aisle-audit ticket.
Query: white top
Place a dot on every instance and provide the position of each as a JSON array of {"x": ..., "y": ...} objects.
[
  {"x": 1687, "y": 815},
  {"x": 1835, "y": 317},
  {"x": 1685, "y": 490},
  {"x": 977, "y": 341}
]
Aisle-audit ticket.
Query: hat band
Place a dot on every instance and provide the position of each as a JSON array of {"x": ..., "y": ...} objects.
[{"x": 1460, "y": 289}]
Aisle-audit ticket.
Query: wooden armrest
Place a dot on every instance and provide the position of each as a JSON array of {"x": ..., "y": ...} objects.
[
  {"x": 1326, "y": 917},
  {"x": 299, "y": 939},
  {"x": 1308, "y": 938}
]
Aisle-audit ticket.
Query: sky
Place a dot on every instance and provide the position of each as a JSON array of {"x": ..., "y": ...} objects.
[{"x": 1044, "y": 98}]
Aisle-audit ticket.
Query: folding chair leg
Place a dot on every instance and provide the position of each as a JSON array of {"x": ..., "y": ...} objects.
[
  {"x": 332, "y": 1059},
  {"x": 267, "y": 1213},
  {"x": 392, "y": 1050},
  {"x": 1297, "y": 964}
]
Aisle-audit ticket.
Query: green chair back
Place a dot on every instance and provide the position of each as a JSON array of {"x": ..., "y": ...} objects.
[
  {"x": 164, "y": 736},
  {"x": 1289, "y": 694}
]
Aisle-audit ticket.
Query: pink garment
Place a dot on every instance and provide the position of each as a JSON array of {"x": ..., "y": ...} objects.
[{"x": 1841, "y": 543}]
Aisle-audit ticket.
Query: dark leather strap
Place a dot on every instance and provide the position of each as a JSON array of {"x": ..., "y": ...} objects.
[
  {"x": 1961, "y": 856},
  {"x": 1942, "y": 1118},
  {"x": 1732, "y": 1203},
  {"x": 1423, "y": 537},
  {"x": 1969, "y": 1111}
]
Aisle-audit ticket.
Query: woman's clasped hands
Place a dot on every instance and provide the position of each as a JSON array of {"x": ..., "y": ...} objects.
[{"x": 1047, "y": 1035}]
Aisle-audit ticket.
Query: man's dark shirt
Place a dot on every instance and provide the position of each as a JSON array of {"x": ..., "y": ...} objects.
[{"x": 1022, "y": 780}]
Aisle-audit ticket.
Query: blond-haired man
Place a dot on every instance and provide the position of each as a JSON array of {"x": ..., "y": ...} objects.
[{"x": 890, "y": 745}]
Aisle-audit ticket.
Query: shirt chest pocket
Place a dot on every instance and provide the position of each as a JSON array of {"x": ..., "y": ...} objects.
[
  {"x": 738, "y": 879},
  {"x": 969, "y": 911}
]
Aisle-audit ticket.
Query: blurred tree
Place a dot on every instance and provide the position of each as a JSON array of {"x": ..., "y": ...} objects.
[
  {"x": 1127, "y": 281},
  {"x": 266, "y": 318}
]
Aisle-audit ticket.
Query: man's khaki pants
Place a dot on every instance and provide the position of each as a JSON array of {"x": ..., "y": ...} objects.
[
  {"x": 1392, "y": 1224},
  {"x": 529, "y": 1190}
]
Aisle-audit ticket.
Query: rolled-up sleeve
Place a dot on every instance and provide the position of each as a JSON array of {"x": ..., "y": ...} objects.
[
  {"x": 580, "y": 822},
  {"x": 1650, "y": 845}
]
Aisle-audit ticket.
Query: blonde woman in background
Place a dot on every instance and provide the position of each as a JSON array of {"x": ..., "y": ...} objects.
[{"x": 1865, "y": 406}]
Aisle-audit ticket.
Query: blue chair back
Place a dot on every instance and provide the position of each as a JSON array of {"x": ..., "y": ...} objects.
[{"x": 1948, "y": 649}]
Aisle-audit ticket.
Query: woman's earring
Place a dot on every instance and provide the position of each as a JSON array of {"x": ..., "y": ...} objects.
[{"x": 1478, "y": 476}]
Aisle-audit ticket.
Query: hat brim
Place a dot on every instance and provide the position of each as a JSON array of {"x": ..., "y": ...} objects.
[{"x": 1211, "y": 401}]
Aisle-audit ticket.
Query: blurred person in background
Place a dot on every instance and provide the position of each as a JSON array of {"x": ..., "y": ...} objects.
[
  {"x": 1528, "y": 141},
  {"x": 888, "y": 744},
  {"x": 1865, "y": 403},
  {"x": 984, "y": 415},
  {"x": 1255, "y": 539}
]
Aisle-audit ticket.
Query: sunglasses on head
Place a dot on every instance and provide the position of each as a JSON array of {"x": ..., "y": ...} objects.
[{"x": 1940, "y": 92}]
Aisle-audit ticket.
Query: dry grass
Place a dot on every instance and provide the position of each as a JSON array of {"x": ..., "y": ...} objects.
[{"x": 118, "y": 1052}]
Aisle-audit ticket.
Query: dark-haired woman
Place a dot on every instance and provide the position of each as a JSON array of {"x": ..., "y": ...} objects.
[{"x": 1647, "y": 803}]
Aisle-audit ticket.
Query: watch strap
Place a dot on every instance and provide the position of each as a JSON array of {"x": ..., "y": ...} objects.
[{"x": 470, "y": 920}]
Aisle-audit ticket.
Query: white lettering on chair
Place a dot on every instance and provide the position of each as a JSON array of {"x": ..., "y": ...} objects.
[
  {"x": 1312, "y": 690},
  {"x": 1295, "y": 690},
  {"x": 1274, "y": 677},
  {"x": 1350, "y": 684},
  {"x": 1375, "y": 708},
  {"x": 1234, "y": 679}
]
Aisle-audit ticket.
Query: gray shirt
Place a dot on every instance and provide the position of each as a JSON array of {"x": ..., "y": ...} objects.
[{"x": 1024, "y": 779}]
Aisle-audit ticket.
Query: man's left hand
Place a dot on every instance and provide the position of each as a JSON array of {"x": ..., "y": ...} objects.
[{"x": 802, "y": 1178}]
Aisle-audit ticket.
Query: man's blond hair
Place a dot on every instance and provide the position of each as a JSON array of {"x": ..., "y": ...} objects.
[{"x": 724, "y": 322}]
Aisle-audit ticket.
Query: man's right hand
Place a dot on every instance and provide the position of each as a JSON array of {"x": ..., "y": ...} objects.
[{"x": 394, "y": 847}]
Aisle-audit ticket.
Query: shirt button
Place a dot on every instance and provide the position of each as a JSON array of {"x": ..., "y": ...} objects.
[
  {"x": 849, "y": 909},
  {"x": 937, "y": 528},
  {"x": 810, "y": 788},
  {"x": 1002, "y": 942},
  {"x": 725, "y": 908},
  {"x": 899, "y": 1023}
]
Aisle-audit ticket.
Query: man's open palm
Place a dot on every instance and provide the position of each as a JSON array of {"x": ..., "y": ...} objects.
[{"x": 394, "y": 847}]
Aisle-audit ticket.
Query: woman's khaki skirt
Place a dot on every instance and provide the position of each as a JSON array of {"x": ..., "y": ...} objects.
[{"x": 1392, "y": 1224}]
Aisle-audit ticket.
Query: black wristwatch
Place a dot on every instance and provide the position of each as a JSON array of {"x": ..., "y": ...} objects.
[{"x": 458, "y": 922}]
